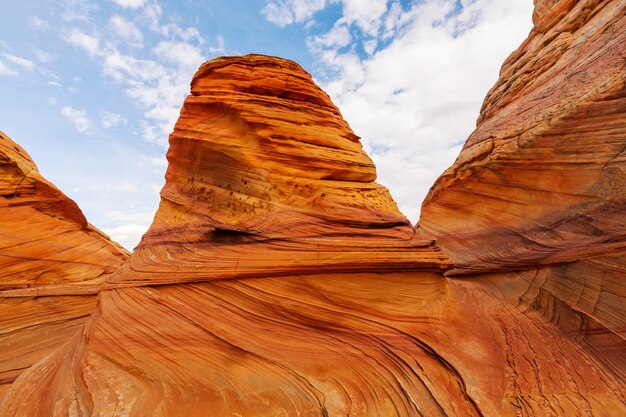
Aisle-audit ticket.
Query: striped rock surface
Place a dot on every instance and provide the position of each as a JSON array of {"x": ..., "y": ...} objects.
[
  {"x": 278, "y": 279},
  {"x": 542, "y": 181},
  {"x": 51, "y": 264},
  {"x": 265, "y": 178}
]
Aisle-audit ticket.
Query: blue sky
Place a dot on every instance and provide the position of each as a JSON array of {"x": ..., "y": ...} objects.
[{"x": 91, "y": 89}]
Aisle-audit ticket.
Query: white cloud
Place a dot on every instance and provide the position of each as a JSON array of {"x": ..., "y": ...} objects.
[
  {"x": 412, "y": 79},
  {"x": 4, "y": 70},
  {"x": 338, "y": 37},
  {"x": 181, "y": 54},
  {"x": 156, "y": 164},
  {"x": 142, "y": 216},
  {"x": 128, "y": 227},
  {"x": 287, "y": 12},
  {"x": 78, "y": 118},
  {"x": 219, "y": 49},
  {"x": 366, "y": 14},
  {"x": 123, "y": 186},
  {"x": 49, "y": 74},
  {"x": 173, "y": 31},
  {"x": 157, "y": 80},
  {"x": 78, "y": 10},
  {"x": 88, "y": 43},
  {"x": 152, "y": 14},
  {"x": 111, "y": 120},
  {"x": 37, "y": 23},
  {"x": 126, "y": 30},
  {"x": 130, "y": 4},
  {"x": 157, "y": 86},
  {"x": 42, "y": 55},
  {"x": 18, "y": 60},
  {"x": 159, "y": 162},
  {"x": 127, "y": 235}
]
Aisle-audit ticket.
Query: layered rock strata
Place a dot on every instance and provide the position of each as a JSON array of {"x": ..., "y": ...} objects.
[
  {"x": 541, "y": 182},
  {"x": 51, "y": 264},
  {"x": 265, "y": 178},
  {"x": 396, "y": 344},
  {"x": 542, "y": 179},
  {"x": 275, "y": 278},
  {"x": 45, "y": 239}
]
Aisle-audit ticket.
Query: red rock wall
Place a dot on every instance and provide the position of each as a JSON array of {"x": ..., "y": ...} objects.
[
  {"x": 45, "y": 239},
  {"x": 265, "y": 178},
  {"x": 403, "y": 344},
  {"x": 51, "y": 264},
  {"x": 278, "y": 279},
  {"x": 541, "y": 180}
]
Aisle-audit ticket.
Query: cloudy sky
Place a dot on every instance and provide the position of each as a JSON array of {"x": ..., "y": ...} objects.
[{"x": 92, "y": 89}]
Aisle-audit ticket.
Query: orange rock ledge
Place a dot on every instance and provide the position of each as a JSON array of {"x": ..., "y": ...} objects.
[
  {"x": 265, "y": 178},
  {"x": 52, "y": 263},
  {"x": 279, "y": 279}
]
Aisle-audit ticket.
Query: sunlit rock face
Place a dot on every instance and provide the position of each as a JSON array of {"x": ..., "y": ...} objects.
[
  {"x": 45, "y": 239},
  {"x": 542, "y": 181},
  {"x": 265, "y": 178},
  {"x": 278, "y": 279},
  {"x": 396, "y": 344},
  {"x": 540, "y": 185},
  {"x": 51, "y": 263}
]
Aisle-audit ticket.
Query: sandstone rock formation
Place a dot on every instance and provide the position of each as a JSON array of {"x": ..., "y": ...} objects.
[
  {"x": 265, "y": 178},
  {"x": 278, "y": 279},
  {"x": 48, "y": 253},
  {"x": 542, "y": 181},
  {"x": 45, "y": 239}
]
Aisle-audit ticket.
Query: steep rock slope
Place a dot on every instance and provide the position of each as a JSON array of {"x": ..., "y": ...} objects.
[
  {"x": 266, "y": 178},
  {"x": 396, "y": 344},
  {"x": 273, "y": 301},
  {"x": 48, "y": 253},
  {"x": 275, "y": 278},
  {"x": 542, "y": 180},
  {"x": 45, "y": 239}
]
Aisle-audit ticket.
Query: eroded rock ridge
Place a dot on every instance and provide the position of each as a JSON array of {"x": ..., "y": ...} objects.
[{"x": 279, "y": 279}]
